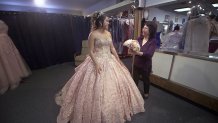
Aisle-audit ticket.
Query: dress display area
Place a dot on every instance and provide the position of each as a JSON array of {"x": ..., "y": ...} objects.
[
  {"x": 172, "y": 40},
  {"x": 12, "y": 66},
  {"x": 109, "y": 97},
  {"x": 197, "y": 35}
]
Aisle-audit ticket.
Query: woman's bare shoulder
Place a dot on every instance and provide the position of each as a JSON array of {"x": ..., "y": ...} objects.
[
  {"x": 108, "y": 33},
  {"x": 93, "y": 34}
]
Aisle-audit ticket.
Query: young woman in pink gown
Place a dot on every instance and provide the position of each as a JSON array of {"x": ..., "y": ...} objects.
[
  {"x": 102, "y": 89},
  {"x": 12, "y": 66}
]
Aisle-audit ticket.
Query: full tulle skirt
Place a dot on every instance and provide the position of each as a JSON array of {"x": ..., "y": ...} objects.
[
  {"x": 12, "y": 66},
  {"x": 108, "y": 97}
]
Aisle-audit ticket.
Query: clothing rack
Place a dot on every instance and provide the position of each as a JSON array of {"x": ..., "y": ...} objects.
[{"x": 22, "y": 12}]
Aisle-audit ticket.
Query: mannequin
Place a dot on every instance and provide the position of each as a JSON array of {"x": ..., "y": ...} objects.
[
  {"x": 197, "y": 33},
  {"x": 12, "y": 66}
]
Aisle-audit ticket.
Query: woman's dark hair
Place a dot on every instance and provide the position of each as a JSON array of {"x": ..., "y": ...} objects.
[
  {"x": 212, "y": 16},
  {"x": 216, "y": 18},
  {"x": 97, "y": 20},
  {"x": 143, "y": 22},
  {"x": 176, "y": 28},
  {"x": 152, "y": 27}
]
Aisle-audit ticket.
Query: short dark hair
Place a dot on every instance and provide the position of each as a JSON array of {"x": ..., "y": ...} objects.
[
  {"x": 216, "y": 18},
  {"x": 212, "y": 16},
  {"x": 176, "y": 27},
  {"x": 152, "y": 27}
]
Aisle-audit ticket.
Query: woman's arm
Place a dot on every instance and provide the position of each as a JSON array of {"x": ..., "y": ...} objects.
[
  {"x": 91, "y": 42},
  {"x": 113, "y": 51}
]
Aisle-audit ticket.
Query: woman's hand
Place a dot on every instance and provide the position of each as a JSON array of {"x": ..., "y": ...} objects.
[
  {"x": 98, "y": 69},
  {"x": 132, "y": 52},
  {"x": 135, "y": 52}
]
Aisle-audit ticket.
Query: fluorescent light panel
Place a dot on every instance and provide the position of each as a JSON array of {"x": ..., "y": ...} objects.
[
  {"x": 39, "y": 3},
  {"x": 215, "y": 5},
  {"x": 182, "y": 10},
  {"x": 188, "y": 9}
]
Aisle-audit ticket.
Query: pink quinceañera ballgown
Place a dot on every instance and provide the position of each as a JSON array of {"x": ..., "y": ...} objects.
[{"x": 108, "y": 97}]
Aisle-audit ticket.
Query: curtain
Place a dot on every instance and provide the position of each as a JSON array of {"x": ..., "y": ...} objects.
[{"x": 46, "y": 39}]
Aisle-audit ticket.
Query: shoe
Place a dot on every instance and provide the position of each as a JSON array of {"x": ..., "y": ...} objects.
[
  {"x": 14, "y": 86},
  {"x": 142, "y": 94},
  {"x": 146, "y": 96},
  {"x": 3, "y": 90}
]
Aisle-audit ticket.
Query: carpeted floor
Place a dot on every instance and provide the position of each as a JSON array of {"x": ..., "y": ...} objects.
[{"x": 33, "y": 101}]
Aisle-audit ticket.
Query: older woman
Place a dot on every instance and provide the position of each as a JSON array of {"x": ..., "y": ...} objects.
[{"x": 143, "y": 58}]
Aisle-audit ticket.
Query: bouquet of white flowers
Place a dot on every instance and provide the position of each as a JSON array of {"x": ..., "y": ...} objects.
[{"x": 132, "y": 44}]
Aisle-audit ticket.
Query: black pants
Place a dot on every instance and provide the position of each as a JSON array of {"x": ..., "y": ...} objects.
[{"x": 140, "y": 74}]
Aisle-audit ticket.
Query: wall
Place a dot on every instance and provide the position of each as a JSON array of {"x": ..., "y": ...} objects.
[
  {"x": 99, "y": 6},
  {"x": 160, "y": 15}
]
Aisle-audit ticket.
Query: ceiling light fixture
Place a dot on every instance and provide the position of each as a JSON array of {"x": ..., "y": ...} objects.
[
  {"x": 39, "y": 3},
  {"x": 182, "y": 10},
  {"x": 215, "y": 5},
  {"x": 188, "y": 9}
]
